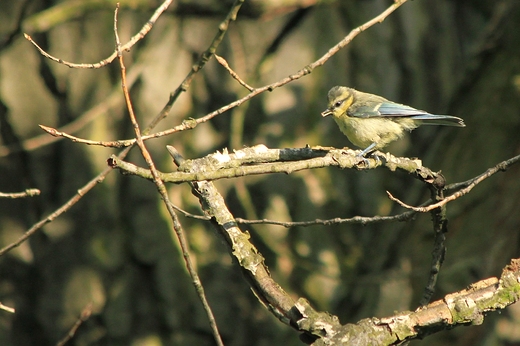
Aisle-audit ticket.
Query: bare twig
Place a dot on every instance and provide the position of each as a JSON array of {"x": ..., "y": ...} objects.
[
  {"x": 85, "y": 315},
  {"x": 7, "y": 308},
  {"x": 363, "y": 220},
  {"x": 65, "y": 207},
  {"x": 164, "y": 194},
  {"x": 470, "y": 184},
  {"x": 233, "y": 74},
  {"x": 110, "y": 144},
  {"x": 113, "y": 101},
  {"x": 401, "y": 203},
  {"x": 26, "y": 193},
  {"x": 136, "y": 38},
  {"x": 204, "y": 58}
]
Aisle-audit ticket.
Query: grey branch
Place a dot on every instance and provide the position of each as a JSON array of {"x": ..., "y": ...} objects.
[
  {"x": 461, "y": 308},
  {"x": 261, "y": 160}
]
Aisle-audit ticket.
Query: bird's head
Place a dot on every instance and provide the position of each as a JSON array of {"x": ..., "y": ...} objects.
[{"x": 340, "y": 99}]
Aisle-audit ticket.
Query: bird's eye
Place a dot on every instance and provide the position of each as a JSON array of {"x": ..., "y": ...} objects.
[{"x": 338, "y": 103}]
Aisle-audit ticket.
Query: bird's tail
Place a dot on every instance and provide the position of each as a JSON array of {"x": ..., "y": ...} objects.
[{"x": 433, "y": 119}]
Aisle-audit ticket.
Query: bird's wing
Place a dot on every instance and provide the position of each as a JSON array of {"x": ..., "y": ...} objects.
[
  {"x": 390, "y": 109},
  {"x": 384, "y": 109},
  {"x": 396, "y": 109}
]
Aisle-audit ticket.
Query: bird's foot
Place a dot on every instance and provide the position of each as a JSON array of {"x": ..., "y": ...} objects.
[
  {"x": 366, "y": 162},
  {"x": 363, "y": 161}
]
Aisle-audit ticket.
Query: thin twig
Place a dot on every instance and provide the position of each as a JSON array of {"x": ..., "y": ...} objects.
[
  {"x": 233, "y": 74},
  {"x": 113, "y": 101},
  {"x": 470, "y": 184},
  {"x": 401, "y": 203},
  {"x": 109, "y": 144},
  {"x": 363, "y": 220},
  {"x": 26, "y": 193},
  {"x": 136, "y": 38},
  {"x": 7, "y": 308},
  {"x": 164, "y": 194},
  {"x": 65, "y": 207},
  {"x": 190, "y": 215},
  {"x": 204, "y": 58},
  {"x": 85, "y": 315}
]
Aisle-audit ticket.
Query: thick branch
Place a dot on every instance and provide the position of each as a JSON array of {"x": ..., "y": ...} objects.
[
  {"x": 261, "y": 160},
  {"x": 462, "y": 308},
  {"x": 245, "y": 253}
]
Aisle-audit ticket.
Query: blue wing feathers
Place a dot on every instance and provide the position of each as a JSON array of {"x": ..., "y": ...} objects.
[
  {"x": 397, "y": 109},
  {"x": 391, "y": 109},
  {"x": 388, "y": 109}
]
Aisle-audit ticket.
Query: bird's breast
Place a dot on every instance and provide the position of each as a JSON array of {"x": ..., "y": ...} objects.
[{"x": 362, "y": 132}]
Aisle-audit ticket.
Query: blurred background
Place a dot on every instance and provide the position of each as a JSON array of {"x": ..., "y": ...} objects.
[{"x": 115, "y": 248}]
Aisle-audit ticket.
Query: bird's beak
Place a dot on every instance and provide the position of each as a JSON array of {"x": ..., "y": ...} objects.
[{"x": 326, "y": 113}]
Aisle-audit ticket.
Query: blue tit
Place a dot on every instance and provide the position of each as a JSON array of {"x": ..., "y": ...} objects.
[{"x": 371, "y": 122}]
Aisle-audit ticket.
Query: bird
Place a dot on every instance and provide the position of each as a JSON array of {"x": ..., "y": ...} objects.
[{"x": 371, "y": 122}]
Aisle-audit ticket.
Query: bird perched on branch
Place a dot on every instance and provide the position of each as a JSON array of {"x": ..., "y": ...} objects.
[{"x": 371, "y": 122}]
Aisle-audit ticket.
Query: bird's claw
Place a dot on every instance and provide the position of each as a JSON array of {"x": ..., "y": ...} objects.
[{"x": 366, "y": 161}]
